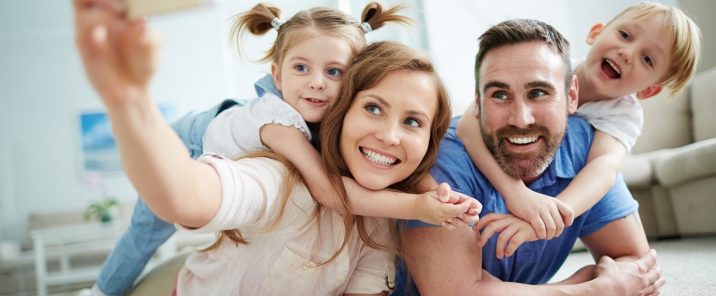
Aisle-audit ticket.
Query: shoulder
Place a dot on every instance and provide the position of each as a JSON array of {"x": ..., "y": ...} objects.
[{"x": 455, "y": 167}]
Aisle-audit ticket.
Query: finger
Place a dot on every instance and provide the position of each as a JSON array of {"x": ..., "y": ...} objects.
[
  {"x": 566, "y": 212},
  {"x": 491, "y": 229},
  {"x": 549, "y": 225},
  {"x": 489, "y": 218},
  {"x": 558, "y": 222},
  {"x": 517, "y": 240},
  {"x": 539, "y": 226},
  {"x": 444, "y": 192},
  {"x": 503, "y": 240}
]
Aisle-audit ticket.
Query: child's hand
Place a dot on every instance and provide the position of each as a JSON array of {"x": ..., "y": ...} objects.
[
  {"x": 513, "y": 232},
  {"x": 448, "y": 208},
  {"x": 547, "y": 215},
  {"x": 119, "y": 55}
]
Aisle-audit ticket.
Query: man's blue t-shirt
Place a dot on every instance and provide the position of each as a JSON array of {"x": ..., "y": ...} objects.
[{"x": 533, "y": 262}]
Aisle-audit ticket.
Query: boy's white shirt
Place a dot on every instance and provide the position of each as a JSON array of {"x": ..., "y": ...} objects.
[
  {"x": 235, "y": 131},
  {"x": 621, "y": 118}
]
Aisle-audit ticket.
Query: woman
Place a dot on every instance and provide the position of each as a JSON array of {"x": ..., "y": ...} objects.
[{"x": 383, "y": 132}]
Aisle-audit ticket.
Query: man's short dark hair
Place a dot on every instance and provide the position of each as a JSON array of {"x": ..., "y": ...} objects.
[{"x": 518, "y": 31}]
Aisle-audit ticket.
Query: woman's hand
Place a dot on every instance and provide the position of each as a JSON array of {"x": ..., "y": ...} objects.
[{"x": 119, "y": 55}]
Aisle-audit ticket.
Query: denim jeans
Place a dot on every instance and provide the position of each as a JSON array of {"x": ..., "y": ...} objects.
[{"x": 146, "y": 231}]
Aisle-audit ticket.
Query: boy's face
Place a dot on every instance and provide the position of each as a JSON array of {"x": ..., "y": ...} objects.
[{"x": 631, "y": 55}]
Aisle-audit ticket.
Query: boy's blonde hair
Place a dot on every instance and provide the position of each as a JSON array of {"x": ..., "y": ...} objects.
[{"x": 685, "y": 51}]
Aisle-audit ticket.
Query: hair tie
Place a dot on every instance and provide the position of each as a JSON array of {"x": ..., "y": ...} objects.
[
  {"x": 276, "y": 23},
  {"x": 366, "y": 27}
]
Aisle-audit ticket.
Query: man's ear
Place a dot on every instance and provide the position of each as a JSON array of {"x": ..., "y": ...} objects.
[
  {"x": 649, "y": 92},
  {"x": 476, "y": 103},
  {"x": 276, "y": 75},
  {"x": 594, "y": 32},
  {"x": 573, "y": 95}
]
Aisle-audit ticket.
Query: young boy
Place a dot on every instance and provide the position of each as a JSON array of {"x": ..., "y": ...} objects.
[{"x": 644, "y": 48}]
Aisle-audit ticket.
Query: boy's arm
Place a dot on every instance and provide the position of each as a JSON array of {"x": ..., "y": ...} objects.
[
  {"x": 292, "y": 144},
  {"x": 598, "y": 175},
  {"x": 547, "y": 215}
]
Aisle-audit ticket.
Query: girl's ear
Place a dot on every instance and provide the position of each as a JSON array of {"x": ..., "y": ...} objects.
[
  {"x": 276, "y": 75},
  {"x": 649, "y": 92},
  {"x": 594, "y": 32}
]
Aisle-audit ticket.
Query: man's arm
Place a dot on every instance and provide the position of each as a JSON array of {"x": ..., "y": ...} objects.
[
  {"x": 449, "y": 262},
  {"x": 621, "y": 238}
]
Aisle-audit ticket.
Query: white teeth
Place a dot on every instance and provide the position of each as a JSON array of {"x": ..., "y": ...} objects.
[
  {"x": 522, "y": 140},
  {"x": 378, "y": 158},
  {"x": 614, "y": 66}
]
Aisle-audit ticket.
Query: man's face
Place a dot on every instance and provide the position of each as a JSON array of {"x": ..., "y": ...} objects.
[{"x": 524, "y": 106}]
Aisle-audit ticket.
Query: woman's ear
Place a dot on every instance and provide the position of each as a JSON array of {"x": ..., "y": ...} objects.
[
  {"x": 594, "y": 32},
  {"x": 649, "y": 92},
  {"x": 276, "y": 75}
]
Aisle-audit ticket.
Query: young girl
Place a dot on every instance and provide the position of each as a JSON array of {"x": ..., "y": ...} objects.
[
  {"x": 646, "y": 46},
  {"x": 311, "y": 52}
]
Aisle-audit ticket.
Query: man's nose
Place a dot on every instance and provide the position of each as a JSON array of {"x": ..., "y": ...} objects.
[{"x": 521, "y": 114}]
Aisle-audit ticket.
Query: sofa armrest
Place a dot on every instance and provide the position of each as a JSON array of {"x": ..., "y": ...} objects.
[{"x": 690, "y": 162}]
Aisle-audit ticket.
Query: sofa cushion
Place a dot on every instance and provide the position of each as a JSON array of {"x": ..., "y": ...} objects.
[
  {"x": 667, "y": 123},
  {"x": 637, "y": 171},
  {"x": 703, "y": 105},
  {"x": 688, "y": 163}
]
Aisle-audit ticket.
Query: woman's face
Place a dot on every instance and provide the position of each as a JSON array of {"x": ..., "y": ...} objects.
[{"x": 386, "y": 131}]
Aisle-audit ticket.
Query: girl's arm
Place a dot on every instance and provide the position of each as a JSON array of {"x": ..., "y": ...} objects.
[
  {"x": 547, "y": 215},
  {"x": 119, "y": 57},
  {"x": 598, "y": 175},
  {"x": 429, "y": 207}
]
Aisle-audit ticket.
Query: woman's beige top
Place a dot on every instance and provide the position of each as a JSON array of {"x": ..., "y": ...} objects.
[{"x": 282, "y": 260}]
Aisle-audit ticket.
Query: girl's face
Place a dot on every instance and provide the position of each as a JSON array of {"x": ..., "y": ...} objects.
[
  {"x": 309, "y": 77},
  {"x": 386, "y": 131}
]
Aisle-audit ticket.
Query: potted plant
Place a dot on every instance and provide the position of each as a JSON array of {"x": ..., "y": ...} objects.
[{"x": 104, "y": 209}]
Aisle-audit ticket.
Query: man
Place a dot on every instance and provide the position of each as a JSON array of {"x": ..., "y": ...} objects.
[{"x": 525, "y": 93}]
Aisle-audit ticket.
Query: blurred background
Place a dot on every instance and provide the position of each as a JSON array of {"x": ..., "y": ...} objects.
[{"x": 57, "y": 158}]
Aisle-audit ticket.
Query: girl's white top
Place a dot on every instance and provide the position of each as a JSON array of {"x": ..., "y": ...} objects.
[
  {"x": 282, "y": 260},
  {"x": 235, "y": 131}
]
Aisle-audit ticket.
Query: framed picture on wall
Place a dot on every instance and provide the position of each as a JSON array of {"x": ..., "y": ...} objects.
[{"x": 99, "y": 149}]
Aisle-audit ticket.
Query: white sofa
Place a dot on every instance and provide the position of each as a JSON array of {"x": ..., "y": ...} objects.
[{"x": 672, "y": 168}]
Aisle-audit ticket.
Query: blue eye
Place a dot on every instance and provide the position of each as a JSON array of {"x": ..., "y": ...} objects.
[
  {"x": 647, "y": 59},
  {"x": 536, "y": 93},
  {"x": 412, "y": 122},
  {"x": 372, "y": 109},
  {"x": 334, "y": 72},
  {"x": 624, "y": 35},
  {"x": 501, "y": 95},
  {"x": 301, "y": 68}
]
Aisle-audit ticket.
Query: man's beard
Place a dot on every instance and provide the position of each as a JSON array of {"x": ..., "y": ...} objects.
[{"x": 522, "y": 165}]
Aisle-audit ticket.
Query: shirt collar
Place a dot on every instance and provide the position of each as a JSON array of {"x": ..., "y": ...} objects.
[{"x": 265, "y": 85}]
